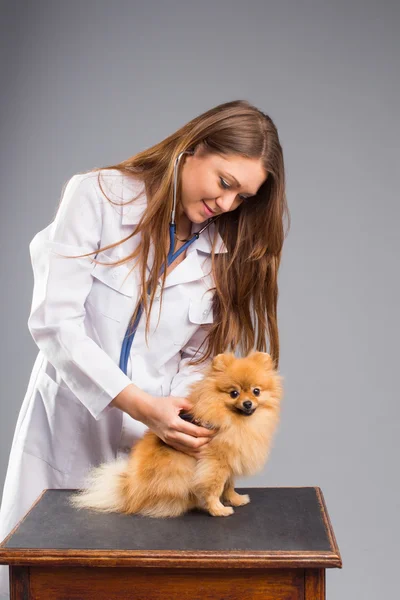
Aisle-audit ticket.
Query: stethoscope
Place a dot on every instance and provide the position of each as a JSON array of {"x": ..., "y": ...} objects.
[{"x": 131, "y": 331}]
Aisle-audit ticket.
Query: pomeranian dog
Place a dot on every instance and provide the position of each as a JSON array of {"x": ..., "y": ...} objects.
[{"x": 240, "y": 398}]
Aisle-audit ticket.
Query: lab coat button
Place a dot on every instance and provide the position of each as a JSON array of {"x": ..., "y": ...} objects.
[{"x": 205, "y": 312}]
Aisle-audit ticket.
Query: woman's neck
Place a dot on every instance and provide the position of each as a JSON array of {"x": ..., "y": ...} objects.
[{"x": 183, "y": 225}]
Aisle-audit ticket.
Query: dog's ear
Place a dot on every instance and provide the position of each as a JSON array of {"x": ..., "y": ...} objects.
[
  {"x": 222, "y": 361},
  {"x": 263, "y": 358}
]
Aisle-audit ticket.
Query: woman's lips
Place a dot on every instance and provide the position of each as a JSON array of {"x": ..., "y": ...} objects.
[{"x": 208, "y": 211}]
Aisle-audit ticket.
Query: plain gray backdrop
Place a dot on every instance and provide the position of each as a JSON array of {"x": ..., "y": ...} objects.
[{"x": 87, "y": 84}]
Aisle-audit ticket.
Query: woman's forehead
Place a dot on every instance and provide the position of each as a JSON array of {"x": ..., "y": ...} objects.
[{"x": 249, "y": 173}]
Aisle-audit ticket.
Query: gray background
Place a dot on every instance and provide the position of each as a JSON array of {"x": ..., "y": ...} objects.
[{"x": 88, "y": 84}]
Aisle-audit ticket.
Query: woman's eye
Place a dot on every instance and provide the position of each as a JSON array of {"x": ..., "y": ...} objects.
[
  {"x": 256, "y": 391},
  {"x": 224, "y": 183},
  {"x": 226, "y": 186},
  {"x": 234, "y": 394}
]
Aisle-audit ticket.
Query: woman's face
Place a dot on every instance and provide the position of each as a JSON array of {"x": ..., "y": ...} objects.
[{"x": 208, "y": 184}]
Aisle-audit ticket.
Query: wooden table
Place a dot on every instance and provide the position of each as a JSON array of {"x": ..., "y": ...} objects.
[{"x": 276, "y": 547}]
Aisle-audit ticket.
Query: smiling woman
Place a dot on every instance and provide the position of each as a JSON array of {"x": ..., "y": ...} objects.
[
  {"x": 100, "y": 260},
  {"x": 205, "y": 193},
  {"x": 233, "y": 169}
]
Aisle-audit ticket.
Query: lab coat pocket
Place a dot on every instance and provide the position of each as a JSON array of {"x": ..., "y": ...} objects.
[
  {"x": 55, "y": 424},
  {"x": 113, "y": 292},
  {"x": 200, "y": 311}
]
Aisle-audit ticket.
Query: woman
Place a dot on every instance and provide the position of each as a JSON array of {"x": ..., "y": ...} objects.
[{"x": 107, "y": 244}]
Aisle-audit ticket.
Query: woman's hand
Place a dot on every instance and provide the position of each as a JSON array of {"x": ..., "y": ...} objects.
[{"x": 161, "y": 415}]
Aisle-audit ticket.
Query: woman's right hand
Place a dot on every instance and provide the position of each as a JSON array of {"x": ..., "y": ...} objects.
[{"x": 161, "y": 415}]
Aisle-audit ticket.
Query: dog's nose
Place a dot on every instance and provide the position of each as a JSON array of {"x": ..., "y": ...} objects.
[{"x": 247, "y": 404}]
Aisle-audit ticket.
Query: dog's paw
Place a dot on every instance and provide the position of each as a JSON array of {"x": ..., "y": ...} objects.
[
  {"x": 236, "y": 499},
  {"x": 221, "y": 511},
  {"x": 217, "y": 509}
]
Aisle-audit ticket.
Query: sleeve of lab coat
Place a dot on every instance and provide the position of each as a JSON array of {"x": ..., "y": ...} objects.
[
  {"x": 188, "y": 374},
  {"x": 61, "y": 285}
]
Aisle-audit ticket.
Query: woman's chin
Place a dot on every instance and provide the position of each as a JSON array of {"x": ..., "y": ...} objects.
[
  {"x": 197, "y": 218},
  {"x": 197, "y": 214}
]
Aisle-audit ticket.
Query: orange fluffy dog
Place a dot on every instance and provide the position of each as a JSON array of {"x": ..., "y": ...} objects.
[{"x": 240, "y": 397}]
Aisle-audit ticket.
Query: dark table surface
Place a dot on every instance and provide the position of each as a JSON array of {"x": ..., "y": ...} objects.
[{"x": 286, "y": 519}]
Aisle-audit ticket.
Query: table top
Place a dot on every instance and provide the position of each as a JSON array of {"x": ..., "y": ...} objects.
[{"x": 281, "y": 526}]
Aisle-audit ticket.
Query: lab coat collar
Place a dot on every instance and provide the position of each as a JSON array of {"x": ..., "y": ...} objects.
[{"x": 189, "y": 269}]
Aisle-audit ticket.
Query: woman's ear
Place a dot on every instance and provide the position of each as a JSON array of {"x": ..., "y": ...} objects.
[{"x": 222, "y": 361}]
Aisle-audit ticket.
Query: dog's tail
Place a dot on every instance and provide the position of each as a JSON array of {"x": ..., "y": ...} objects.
[{"x": 103, "y": 490}]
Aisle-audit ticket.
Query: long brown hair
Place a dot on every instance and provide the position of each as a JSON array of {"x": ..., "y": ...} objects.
[{"x": 246, "y": 288}]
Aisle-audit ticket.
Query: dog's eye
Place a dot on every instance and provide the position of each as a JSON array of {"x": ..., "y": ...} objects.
[
  {"x": 234, "y": 394},
  {"x": 256, "y": 391}
]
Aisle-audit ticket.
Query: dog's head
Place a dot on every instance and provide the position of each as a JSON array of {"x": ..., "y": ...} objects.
[{"x": 240, "y": 386}]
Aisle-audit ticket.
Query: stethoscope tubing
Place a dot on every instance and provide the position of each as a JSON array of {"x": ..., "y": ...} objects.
[{"x": 132, "y": 328}]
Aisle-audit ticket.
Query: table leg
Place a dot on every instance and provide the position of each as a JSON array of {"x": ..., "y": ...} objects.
[
  {"x": 314, "y": 584},
  {"x": 19, "y": 583}
]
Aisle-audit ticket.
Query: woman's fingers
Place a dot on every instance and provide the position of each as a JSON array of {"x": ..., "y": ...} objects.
[
  {"x": 174, "y": 431},
  {"x": 191, "y": 437},
  {"x": 194, "y": 430},
  {"x": 188, "y": 441}
]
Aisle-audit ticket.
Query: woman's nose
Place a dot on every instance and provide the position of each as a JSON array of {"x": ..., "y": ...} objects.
[{"x": 225, "y": 202}]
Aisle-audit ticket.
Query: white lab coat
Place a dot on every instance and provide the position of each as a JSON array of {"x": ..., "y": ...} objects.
[{"x": 79, "y": 315}]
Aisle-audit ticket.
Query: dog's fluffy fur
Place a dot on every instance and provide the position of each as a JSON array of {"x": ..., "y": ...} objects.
[{"x": 240, "y": 397}]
